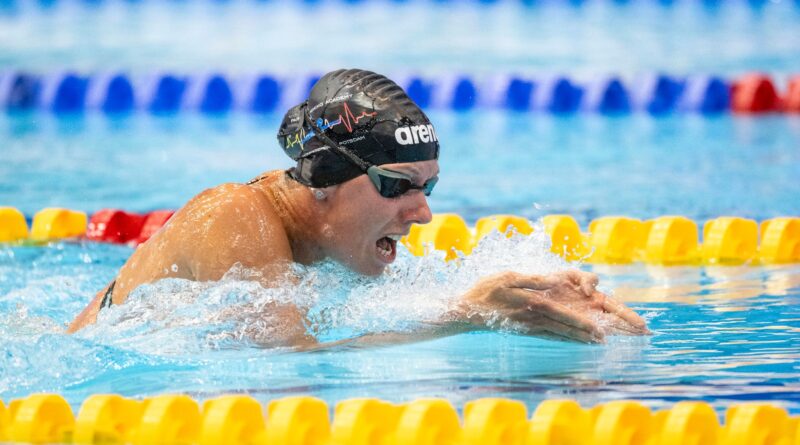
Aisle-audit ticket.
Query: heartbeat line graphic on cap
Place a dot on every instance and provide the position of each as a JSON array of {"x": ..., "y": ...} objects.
[{"x": 348, "y": 120}]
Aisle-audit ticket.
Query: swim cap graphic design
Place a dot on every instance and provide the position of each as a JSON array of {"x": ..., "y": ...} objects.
[
  {"x": 348, "y": 120},
  {"x": 354, "y": 114}
]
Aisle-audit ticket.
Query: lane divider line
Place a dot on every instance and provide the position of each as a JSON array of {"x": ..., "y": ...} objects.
[
  {"x": 303, "y": 420},
  {"x": 666, "y": 240},
  {"x": 215, "y": 93}
]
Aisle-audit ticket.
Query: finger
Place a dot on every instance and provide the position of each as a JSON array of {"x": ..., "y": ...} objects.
[
  {"x": 616, "y": 326},
  {"x": 534, "y": 282},
  {"x": 589, "y": 283},
  {"x": 535, "y": 324},
  {"x": 574, "y": 276},
  {"x": 584, "y": 282},
  {"x": 542, "y": 282},
  {"x": 570, "y": 276},
  {"x": 560, "y": 313},
  {"x": 567, "y": 332},
  {"x": 623, "y": 312}
]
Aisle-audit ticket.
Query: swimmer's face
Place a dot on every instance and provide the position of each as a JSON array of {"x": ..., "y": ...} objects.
[{"x": 363, "y": 227}]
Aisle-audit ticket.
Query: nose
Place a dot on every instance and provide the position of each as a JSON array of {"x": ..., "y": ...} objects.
[{"x": 418, "y": 211}]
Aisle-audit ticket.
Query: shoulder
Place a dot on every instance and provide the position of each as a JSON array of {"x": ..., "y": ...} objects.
[
  {"x": 230, "y": 202},
  {"x": 223, "y": 194},
  {"x": 232, "y": 223}
]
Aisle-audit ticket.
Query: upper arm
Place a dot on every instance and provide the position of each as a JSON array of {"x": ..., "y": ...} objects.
[
  {"x": 89, "y": 314},
  {"x": 234, "y": 224},
  {"x": 216, "y": 229}
]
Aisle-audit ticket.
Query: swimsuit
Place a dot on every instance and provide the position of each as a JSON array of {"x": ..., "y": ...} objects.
[
  {"x": 106, "y": 302},
  {"x": 287, "y": 173}
]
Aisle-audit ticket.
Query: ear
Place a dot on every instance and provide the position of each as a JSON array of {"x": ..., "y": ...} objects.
[
  {"x": 319, "y": 194},
  {"x": 324, "y": 194},
  {"x": 330, "y": 191}
]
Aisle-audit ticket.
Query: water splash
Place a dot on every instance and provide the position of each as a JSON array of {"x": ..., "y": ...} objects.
[
  {"x": 176, "y": 316},
  {"x": 198, "y": 338}
]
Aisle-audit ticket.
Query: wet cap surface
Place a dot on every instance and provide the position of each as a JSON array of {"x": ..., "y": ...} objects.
[{"x": 363, "y": 112}]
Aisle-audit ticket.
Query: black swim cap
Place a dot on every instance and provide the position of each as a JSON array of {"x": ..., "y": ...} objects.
[{"x": 362, "y": 116}]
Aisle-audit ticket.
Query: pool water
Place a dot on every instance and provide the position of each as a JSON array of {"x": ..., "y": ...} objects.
[
  {"x": 721, "y": 334},
  {"x": 492, "y": 162},
  {"x": 575, "y": 37}
]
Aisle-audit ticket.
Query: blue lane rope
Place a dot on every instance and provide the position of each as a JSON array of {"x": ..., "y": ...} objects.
[{"x": 263, "y": 93}]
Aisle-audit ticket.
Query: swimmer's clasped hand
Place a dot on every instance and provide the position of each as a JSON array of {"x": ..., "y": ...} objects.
[{"x": 564, "y": 305}]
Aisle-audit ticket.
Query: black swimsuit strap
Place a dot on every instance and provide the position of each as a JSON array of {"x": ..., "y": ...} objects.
[
  {"x": 288, "y": 173},
  {"x": 106, "y": 302},
  {"x": 253, "y": 181}
]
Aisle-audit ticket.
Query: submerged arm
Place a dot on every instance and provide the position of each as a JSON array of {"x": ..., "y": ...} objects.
[
  {"x": 563, "y": 306},
  {"x": 430, "y": 331}
]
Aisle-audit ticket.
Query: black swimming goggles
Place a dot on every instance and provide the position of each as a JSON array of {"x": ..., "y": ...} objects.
[{"x": 390, "y": 183}]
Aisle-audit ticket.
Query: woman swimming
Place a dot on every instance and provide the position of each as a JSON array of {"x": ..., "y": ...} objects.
[{"x": 367, "y": 158}]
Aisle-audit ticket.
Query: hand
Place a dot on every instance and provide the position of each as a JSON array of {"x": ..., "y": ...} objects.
[{"x": 565, "y": 305}]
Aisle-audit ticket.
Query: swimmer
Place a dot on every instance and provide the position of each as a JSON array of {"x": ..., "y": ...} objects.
[{"x": 366, "y": 160}]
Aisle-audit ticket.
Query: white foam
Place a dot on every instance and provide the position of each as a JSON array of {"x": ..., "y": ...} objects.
[{"x": 177, "y": 316}]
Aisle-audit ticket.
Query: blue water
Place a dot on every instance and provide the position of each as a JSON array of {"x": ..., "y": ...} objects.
[
  {"x": 599, "y": 36},
  {"x": 724, "y": 336},
  {"x": 721, "y": 334},
  {"x": 492, "y": 162}
]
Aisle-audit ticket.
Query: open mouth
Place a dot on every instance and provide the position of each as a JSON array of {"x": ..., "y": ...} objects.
[{"x": 387, "y": 248}]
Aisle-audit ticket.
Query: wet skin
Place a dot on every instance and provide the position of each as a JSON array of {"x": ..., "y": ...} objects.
[{"x": 276, "y": 221}]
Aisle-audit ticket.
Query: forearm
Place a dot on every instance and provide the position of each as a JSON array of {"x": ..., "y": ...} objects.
[{"x": 444, "y": 327}]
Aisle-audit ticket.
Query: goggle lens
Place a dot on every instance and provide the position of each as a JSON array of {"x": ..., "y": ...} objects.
[
  {"x": 394, "y": 187},
  {"x": 391, "y": 184}
]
